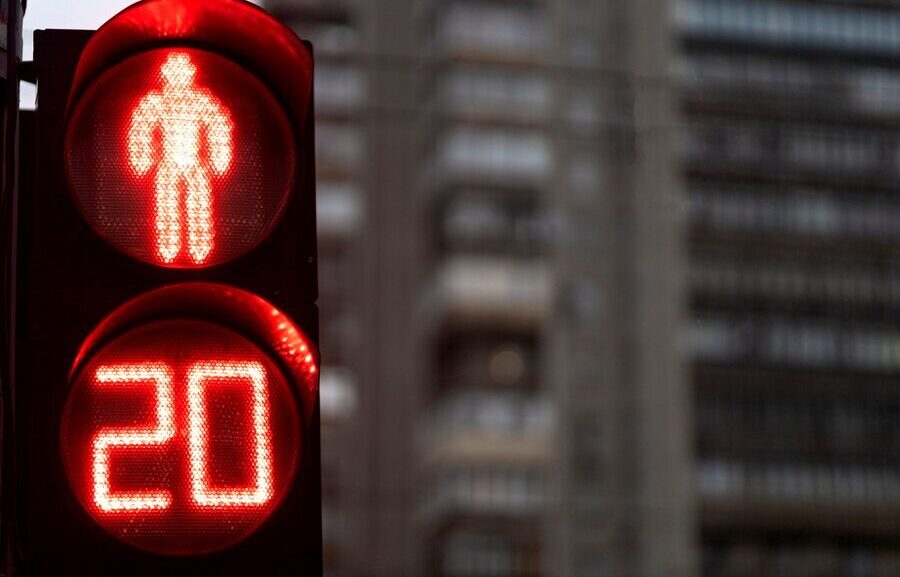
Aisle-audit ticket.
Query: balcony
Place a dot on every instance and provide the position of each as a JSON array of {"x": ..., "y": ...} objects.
[
  {"x": 502, "y": 549},
  {"x": 503, "y": 159},
  {"x": 762, "y": 282},
  {"x": 722, "y": 82},
  {"x": 481, "y": 222},
  {"x": 492, "y": 414},
  {"x": 863, "y": 501},
  {"x": 492, "y": 429},
  {"x": 473, "y": 446},
  {"x": 736, "y": 147},
  {"x": 794, "y": 343},
  {"x": 793, "y": 427},
  {"x": 759, "y": 555},
  {"x": 493, "y": 94},
  {"x": 792, "y": 25},
  {"x": 504, "y": 362},
  {"x": 795, "y": 215},
  {"x": 485, "y": 457},
  {"x": 505, "y": 33},
  {"x": 491, "y": 292}
]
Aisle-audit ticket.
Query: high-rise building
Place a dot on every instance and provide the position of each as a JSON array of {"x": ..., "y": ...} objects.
[
  {"x": 791, "y": 149},
  {"x": 501, "y": 248},
  {"x": 508, "y": 206}
]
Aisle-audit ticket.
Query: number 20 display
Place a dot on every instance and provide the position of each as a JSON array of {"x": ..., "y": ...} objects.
[
  {"x": 181, "y": 427},
  {"x": 159, "y": 376}
]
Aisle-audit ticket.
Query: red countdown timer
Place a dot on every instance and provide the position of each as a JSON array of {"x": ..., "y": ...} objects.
[
  {"x": 180, "y": 158},
  {"x": 181, "y": 436}
]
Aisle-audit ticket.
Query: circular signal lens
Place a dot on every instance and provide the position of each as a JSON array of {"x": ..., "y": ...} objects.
[
  {"x": 180, "y": 437},
  {"x": 180, "y": 158}
]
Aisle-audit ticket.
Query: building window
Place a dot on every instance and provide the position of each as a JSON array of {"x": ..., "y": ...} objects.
[
  {"x": 509, "y": 153},
  {"x": 477, "y": 555},
  {"x": 488, "y": 490},
  {"x": 504, "y": 361},
  {"x": 798, "y": 481},
  {"x": 338, "y": 208},
  {"x": 338, "y": 87},
  {"x": 482, "y": 222},
  {"x": 777, "y": 341},
  {"x": 498, "y": 91},
  {"x": 817, "y": 25},
  {"x": 338, "y": 392},
  {"x": 811, "y": 213},
  {"x": 338, "y": 148},
  {"x": 510, "y": 29},
  {"x": 494, "y": 413},
  {"x": 790, "y": 281}
]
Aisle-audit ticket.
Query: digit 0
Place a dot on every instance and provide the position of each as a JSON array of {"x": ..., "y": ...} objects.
[{"x": 199, "y": 376}]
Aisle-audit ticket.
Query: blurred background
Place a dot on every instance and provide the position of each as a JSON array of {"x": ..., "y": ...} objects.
[{"x": 608, "y": 287}]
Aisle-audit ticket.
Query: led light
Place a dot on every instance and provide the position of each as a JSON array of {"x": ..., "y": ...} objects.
[
  {"x": 180, "y": 158},
  {"x": 110, "y": 438},
  {"x": 199, "y": 375},
  {"x": 180, "y": 437},
  {"x": 184, "y": 115}
]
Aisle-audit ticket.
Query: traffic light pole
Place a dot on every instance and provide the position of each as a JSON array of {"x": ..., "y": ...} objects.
[{"x": 9, "y": 204}]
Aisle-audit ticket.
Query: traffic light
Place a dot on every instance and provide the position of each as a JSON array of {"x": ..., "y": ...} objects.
[{"x": 165, "y": 365}]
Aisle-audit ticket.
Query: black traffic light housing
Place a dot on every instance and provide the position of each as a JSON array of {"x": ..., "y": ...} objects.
[{"x": 67, "y": 281}]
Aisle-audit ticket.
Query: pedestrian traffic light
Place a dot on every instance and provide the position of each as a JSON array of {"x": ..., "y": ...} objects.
[
  {"x": 165, "y": 367},
  {"x": 167, "y": 135}
]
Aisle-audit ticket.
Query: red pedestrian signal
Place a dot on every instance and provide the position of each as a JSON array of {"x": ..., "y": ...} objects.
[
  {"x": 166, "y": 366},
  {"x": 180, "y": 157}
]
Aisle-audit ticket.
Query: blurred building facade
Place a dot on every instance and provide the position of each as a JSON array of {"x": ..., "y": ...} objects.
[
  {"x": 500, "y": 205},
  {"x": 791, "y": 150},
  {"x": 500, "y": 247}
]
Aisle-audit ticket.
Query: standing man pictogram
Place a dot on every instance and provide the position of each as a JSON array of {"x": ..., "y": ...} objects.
[{"x": 183, "y": 113}]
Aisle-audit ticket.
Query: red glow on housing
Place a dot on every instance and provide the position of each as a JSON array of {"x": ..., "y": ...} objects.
[
  {"x": 180, "y": 437},
  {"x": 180, "y": 158},
  {"x": 258, "y": 319}
]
